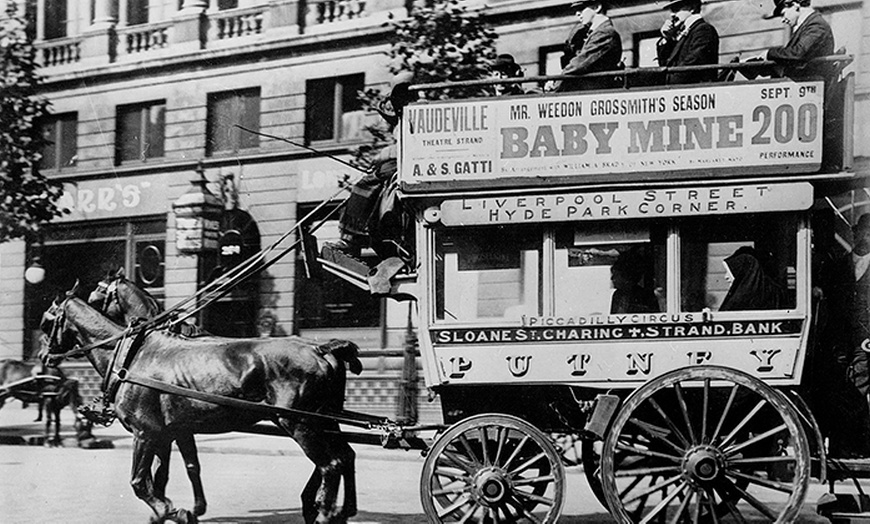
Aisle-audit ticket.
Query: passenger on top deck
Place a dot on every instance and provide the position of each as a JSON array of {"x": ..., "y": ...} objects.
[
  {"x": 506, "y": 67},
  {"x": 688, "y": 40},
  {"x": 593, "y": 46},
  {"x": 811, "y": 37},
  {"x": 751, "y": 287}
]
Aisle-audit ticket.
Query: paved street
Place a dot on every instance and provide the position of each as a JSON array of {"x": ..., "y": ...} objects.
[{"x": 247, "y": 479}]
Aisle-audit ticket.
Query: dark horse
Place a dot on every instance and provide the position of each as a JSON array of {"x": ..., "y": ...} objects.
[
  {"x": 280, "y": 372},
  {"x": 125, "y": 303},
  {"x": 50, "y": 394}
]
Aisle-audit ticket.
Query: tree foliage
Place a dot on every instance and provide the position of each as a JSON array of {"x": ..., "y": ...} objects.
[
  {"x": 439, "y": 41},
  {"x": 27, "y": 199}
]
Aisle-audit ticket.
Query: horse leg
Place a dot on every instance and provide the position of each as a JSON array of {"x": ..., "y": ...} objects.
[
  {"x": 161, "y": 474},
  {"x": 187, "y": 446},
  {"x": 348, "y": 474},
  {"x": 328, "y": 468},
  {"x": 309, "y": 496},
  {"x": 144, "y": 450},
  {"x": 39, "y": 405}
]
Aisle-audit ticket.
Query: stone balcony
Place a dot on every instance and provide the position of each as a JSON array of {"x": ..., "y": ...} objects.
[{"x": 112, "y": 43}]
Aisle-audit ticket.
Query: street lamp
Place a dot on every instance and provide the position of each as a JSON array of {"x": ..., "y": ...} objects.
[
  {"x": 197, "y": 217},
  {"x": 35, "y": 273}
]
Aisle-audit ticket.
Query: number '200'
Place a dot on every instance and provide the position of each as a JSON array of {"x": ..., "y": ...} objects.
[{"x": 786, "y": 124}]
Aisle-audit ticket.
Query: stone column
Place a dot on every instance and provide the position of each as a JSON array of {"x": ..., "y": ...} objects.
[
  {"x": 189, "y": 27},
  {"x": 98, "y": 45},
  {"x": 103, "y": 16},
  {"x": 40, "y": 20}
]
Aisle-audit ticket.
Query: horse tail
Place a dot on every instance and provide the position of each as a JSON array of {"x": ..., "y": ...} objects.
[{"x": 345, "y": 351}]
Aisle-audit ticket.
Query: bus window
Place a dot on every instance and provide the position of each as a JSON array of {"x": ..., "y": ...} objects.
[
  {"x": 738, "y": 263},
  {"x": 487, "y": 273},
  {"x": 610, "y": 268}
]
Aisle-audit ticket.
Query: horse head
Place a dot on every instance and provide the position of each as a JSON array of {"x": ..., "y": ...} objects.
[
  {"x": 122, "y": 301},
  {"x": 61, "y": 335}
]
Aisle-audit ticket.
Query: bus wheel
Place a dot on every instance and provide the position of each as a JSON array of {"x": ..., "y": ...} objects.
[
  {"x": 492, "y": 468},
  {"x": 705, "y": 444}
]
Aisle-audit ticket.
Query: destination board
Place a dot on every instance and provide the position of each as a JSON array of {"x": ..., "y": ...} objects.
[{"x": 761, "y": 127}]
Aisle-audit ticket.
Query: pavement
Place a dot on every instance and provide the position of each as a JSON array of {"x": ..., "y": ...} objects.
[{"x": 17, "y": 427}]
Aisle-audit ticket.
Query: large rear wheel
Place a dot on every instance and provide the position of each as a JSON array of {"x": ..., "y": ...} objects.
[
  {"x": 705, "y": 444},
  {"x": 492, "y": 469}
]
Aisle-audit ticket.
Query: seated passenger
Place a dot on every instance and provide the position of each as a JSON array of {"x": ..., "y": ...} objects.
[
  {"x": 811, "y": 38},
  {"x": 506, "y": 67},
  {"x": 688, "y": 40},
  {"x": 751, "y": 287},
  {"x": 593, "y": 46},
  {"x": 628, "y": 295}
]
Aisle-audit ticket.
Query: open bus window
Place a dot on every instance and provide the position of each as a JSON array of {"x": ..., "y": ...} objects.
[
  {"x": 609, "y": 268},
  {"x": 763, "y": 264},
  {"x": 488, "y": 273}
]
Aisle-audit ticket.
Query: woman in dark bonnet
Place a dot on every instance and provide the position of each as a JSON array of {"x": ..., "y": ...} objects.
[{"x": 751, "y": 287}]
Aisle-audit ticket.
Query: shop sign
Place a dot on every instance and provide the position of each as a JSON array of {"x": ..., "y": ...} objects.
[
  {"x": 319, "y": 177},
  {"x": 764, "y": 127},
  {"x": 116, "y": 197},
  {"x": 641, "y": 203}
]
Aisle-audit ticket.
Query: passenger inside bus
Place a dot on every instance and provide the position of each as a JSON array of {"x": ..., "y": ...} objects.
[
  {"x": 629, "y": 296},
  {"x": 751, "y": 287}
]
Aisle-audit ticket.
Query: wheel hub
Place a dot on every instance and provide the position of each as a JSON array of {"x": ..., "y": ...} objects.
[
  {"x": 702, "y": 464},
  {"x": 490, "y": 486}
]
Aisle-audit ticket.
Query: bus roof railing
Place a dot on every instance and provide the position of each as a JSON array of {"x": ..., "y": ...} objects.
[{"x": 838, "y": 61}]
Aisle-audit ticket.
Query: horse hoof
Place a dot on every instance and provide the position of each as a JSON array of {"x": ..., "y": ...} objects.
[
  {"x": 183, "y": 516},
  {"x": 199, "y": 509}
]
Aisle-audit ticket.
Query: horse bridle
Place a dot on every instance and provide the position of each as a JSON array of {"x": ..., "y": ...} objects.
[{"x": 109, "y": 292}]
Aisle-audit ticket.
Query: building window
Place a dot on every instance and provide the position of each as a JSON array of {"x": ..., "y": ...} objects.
[
  {"x": 227, "y": 109},
  {"x": 227, "y": 4},
  {"x": 550, "y": 59},
  {"x": 141, "y": 129},
  {"x": 137, "y": 12},
  {"x": 333, "y": 110},
  {"x": 61, "y": 142},
  {"x": 55, "y": 23},
  {"x": 644, "y": 49}
]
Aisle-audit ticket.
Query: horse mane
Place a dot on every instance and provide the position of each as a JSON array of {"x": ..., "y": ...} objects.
[{"x": 145, "y": 296}]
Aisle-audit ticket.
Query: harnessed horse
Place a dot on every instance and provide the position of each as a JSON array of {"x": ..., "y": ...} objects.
[
  {"x": 45, "y": 385},
  {"x": 124, "y": 303},
  {"x": 288, "y": 381}
]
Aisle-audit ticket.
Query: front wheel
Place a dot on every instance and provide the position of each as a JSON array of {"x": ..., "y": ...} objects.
[
  {"x": 491, "y": 469},
  {"x": 695, "y": 443}
]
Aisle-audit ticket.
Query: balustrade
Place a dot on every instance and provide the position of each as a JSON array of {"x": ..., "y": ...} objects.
[
  {"x": 236, "y": 23},
  {"x": 140, "y": 39},
  {"x": 59, "y": 52}
]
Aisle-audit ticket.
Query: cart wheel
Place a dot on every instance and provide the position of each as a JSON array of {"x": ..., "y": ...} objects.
[
  {"x": 492, "y": 468},
  {"x": 682, "y": 450}
]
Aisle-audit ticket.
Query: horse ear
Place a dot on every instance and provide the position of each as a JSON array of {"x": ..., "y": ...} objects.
[
  {"x": 74, "y": 289},
  {"x": 119, "y": 273}
]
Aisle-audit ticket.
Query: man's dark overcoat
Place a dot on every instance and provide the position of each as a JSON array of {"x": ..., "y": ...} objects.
[
  {"x": 812, "y": 39},
  {"x": 601, "y": 51},
  {"x": 700, "y": 46}
]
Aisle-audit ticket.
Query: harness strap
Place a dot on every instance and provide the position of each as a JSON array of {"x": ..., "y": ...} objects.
[
  {"x": 125, "y": 351},
  {"x": 236, "y": 403}
]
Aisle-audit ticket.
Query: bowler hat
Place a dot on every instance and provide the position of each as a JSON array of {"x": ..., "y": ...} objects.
[
  {"x": 579, "y": 4},
  {"x": 506, "y": 64},
  {"x": 779, "y": 6},
  {"x": 400, "y": 96},
  {"x": 677, "y": 3}
]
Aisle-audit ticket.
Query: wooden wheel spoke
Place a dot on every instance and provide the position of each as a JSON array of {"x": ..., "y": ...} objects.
[
  {"x": 500, "y": 438},
  {"x": 631, "y": 486},
  {"x": 458, "y": 503},
  {"x": 705, "y": 408},
  {"x": 534, "y": 498},
  {"x": 663, "y": 504},
  {"x": 771, "y": 484},
  {"x": 648, "y": 453},
  {"x": 732, "y": 508},
  {"x": 458, "y": 461},
  {"x": 483, "y": 445},
  {"x": 468, "y": 514},
  {"x": 527, "y": 464},
  {"x": 761, "y": 460},
  {"x": 653, "y": 488},
  {"x": 746, "y": 419},
  {"x": 756, "y": 439},
  {"x": 656, "y": 433},
  {"x": 642, "y": 472},
  {"x": 466, "y": 445},
  {"x": 670, "y": 423},
  {"x": 464, "y": 488},
  {"x": 725, "y": 412},
  {"x": 711, "y": 506},
  {"x": 516, "y": 452},
  {"x": 684, "y": 505},
  {"x": 684, "y": 408},
  {"x": 518, "y": 505},
  {"x": 754, "y": 502},
  {"x": 546, "y": 479},
  {"x": 442, "y": 472}
]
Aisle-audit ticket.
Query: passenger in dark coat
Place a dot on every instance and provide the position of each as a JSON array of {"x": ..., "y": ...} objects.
[
  {"x": 688, "y": 40},
  {"x": 593, "y": 46},
  {"x": 752, "y": 288},
  {"x": 628, "y": 295},
  {"x": 811, "y": 38}
]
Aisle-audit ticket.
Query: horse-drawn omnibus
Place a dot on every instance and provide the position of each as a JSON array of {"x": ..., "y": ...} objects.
[{"x": 573, "y": 259}]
